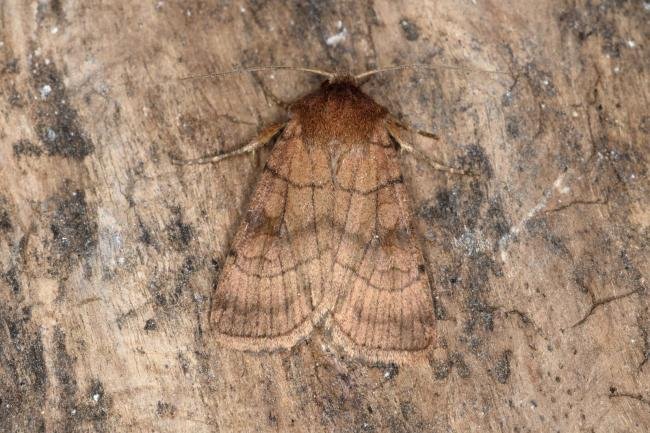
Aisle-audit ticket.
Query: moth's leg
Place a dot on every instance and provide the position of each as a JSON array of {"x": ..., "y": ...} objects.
[
  {"x": 260, "y": 141},
  {"x": 395, "y": 129},
  {"x": 422, "y": 132}
]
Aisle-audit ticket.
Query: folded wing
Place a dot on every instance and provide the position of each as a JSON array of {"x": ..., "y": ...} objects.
[
  {"x": 385, "y": 308},
  {"x": 276, "y": 276}
]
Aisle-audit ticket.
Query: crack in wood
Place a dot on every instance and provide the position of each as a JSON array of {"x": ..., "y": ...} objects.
[
  {"x": 637, "y": 397},
  {"x": 596, "y": 304}
]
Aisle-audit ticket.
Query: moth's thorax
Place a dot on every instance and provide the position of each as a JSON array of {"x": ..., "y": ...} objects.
[{"x": 338, "y": 111}]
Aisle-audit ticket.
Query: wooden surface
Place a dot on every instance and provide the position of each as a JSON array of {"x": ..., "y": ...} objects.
[{"x": 109, "y": 254}]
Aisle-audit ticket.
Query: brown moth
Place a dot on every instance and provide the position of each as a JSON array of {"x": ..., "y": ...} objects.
[{"x": 328, "y": 238}]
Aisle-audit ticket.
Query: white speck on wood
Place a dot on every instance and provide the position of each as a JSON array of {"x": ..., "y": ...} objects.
[{"x": 337, "y": 38}]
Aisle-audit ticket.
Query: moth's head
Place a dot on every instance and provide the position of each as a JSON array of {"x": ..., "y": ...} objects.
[
  {"x": 339, "y": 110},
  {"x": 339, "y": 92},
  {"x": 339, "y": 84}
]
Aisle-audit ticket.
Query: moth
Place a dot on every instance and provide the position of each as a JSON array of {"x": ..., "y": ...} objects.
[{"x": 328, "y": 238}]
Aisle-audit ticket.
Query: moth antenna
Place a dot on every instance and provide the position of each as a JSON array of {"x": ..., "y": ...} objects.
[
  {"x": 326, "y": 74},
  {"x": 427, "y": 67}
]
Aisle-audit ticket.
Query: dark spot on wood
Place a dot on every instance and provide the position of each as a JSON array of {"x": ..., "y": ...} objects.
[
  {"x": 481, "y": 314},
  {"x": 179, "y": 233},
  {"x": 460, "y": 212},
  {"x": 64, "y": 372},
  {"x": 56, "y": 8},
  {"x": 540, "y": 81},
  {"x": 96, "y": 390},
  {"x": 92, "y": 408},
  {"x": 458, "y": 361},
  {"x": 391, "y": 371},
  {"x": 410, "y": 29},
  {"x": 440, "y": 311},
  {"x": 5, "y": 220},
  {"x": 57, "y": 123},
  {"x": 145, "y": 234},
  {"x": 11, "y": 278},
  {"x": 36, "y": 363},
  {"x": 512, "y": 127},
  {"x": 150, "y": 325},
  {"x": 498, "y": 223},
  {"x": 74, "y": 230},
  {"x": 23, "y": 374},
  {"x": 215, "y": 264},
  {"x": 539, "y": 227},
  {"x": 183, "y": 277},
  {"x": 406, "y": 409},
  {"x": 444, "y": 207},
  {"x": 11, "y": 66},
  {"x": 476, "y": 161},
  {"x": 63, "y": 363},
  {"x": 165, "y": 410},
  {"x": 441, "y": 369},
  {"x": 502, "y": 367},
  {"x": 25, "y": 147},
  {"x": 171, "y": 292},
  {"x": 160, "y": 299}
]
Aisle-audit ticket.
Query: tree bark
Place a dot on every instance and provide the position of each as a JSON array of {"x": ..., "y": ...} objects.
[{"x": 109, "y": 253}]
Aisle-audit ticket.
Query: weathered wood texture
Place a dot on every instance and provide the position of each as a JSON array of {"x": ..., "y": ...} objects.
[{"x": 108, "y": 253}]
